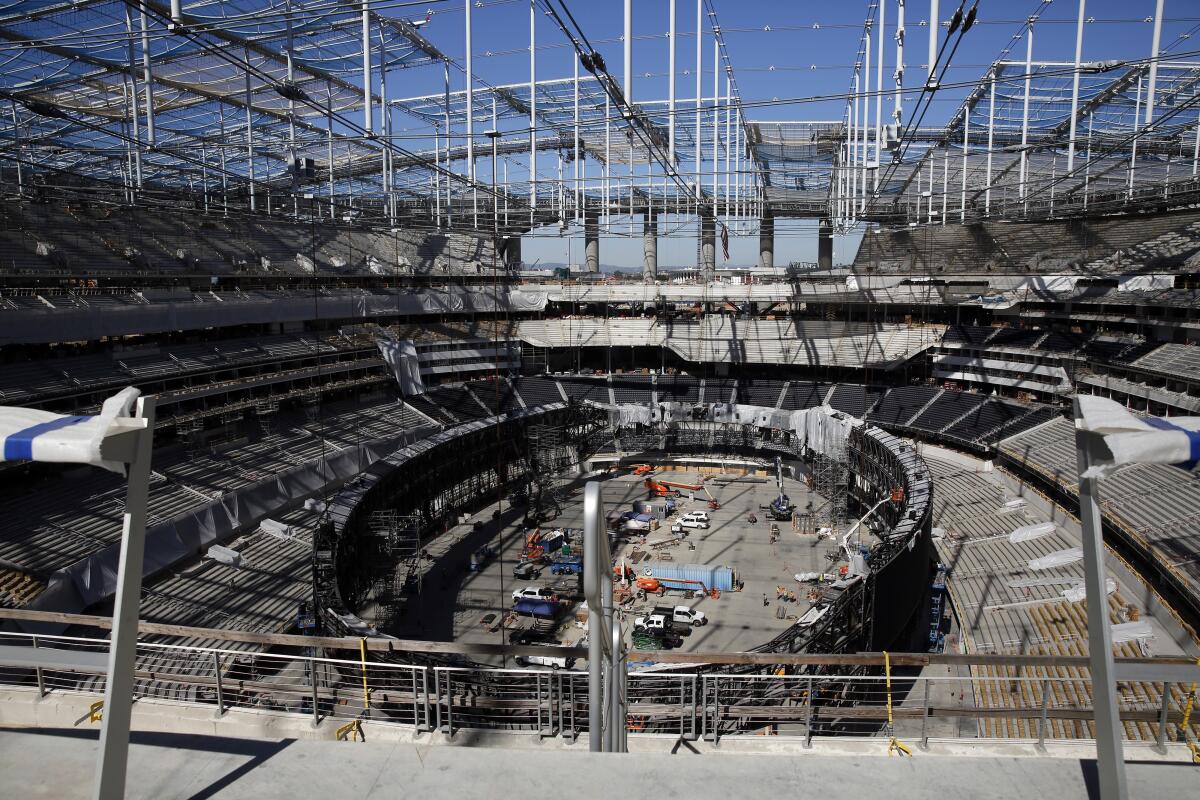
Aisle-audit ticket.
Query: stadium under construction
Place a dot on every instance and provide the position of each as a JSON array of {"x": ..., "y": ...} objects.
[{"x": 676, "y": 379}]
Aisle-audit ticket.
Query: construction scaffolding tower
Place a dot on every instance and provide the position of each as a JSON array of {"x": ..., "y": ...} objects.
[
  {"x": 551, "y": 458},
  {"x": 830, "y": 480}
]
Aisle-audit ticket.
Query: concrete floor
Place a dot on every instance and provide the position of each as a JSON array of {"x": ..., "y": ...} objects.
[
  {"x": 60, "y": 764},
  {"x": 454, "y": 601}
]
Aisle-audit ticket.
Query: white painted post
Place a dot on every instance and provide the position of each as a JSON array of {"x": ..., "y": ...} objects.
[{"x": 1075, "y": 85}]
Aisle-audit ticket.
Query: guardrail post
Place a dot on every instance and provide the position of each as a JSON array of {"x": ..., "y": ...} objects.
[
  {"x": 695, "y": 705},
  {"x": 808, "y": 716},
  {"x": 1160, "y": 739},
  {"x": 437, "y": 699},
  {"x": 925, "y": 717},
  {"x": 537, "y": 704},
  {"x": 216, "y": 659},
  {"x": 716, "y": 729},
  {"x": 425, "y": 723},
  {"x": 41, "y": 677},
  {"x": 704, "y": 707},
  {"x": 1041, "y": 742},
  {"x": 449, "y": 706},
  {"x": 316, "y": 698}
]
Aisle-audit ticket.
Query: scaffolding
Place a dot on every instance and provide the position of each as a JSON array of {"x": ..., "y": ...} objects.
[
  {"x": 831, "y": 479},
  {"x": 397, "y": 572}
]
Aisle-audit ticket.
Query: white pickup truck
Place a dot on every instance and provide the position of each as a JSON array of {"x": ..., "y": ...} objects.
[{"x": 678, "y": 615}]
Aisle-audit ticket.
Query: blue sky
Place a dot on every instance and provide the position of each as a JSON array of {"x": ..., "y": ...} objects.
[{"x": 780, "y": 51}]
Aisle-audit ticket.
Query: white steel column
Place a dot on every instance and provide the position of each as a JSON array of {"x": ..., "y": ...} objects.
[
  {"x": 1075, "y": 86},
  {"x": 1087, "y": 167},
  {"x": 1196, "y": 151},
  {"x": 671, "y": 86},
  {"x": 962, "y": 201},
  {"x": 945, "y": 182},
  {"x": 854, "y": 154},
  {"x": 879, "y": 97},
  {"x": 1109, "y": 755},
  {"x": 866, "y": 111},
  {"x": 1154, "y": 53},
  {"x": 627, "y": 87},
  {"x": 366, "y": 65},
  {"x": 987, "y": 195},
  {"x": 716, "y": 114},
  {"x": 467, "y": 4},
  {"x": 118, "y": 692},
  {"x": 1025, "y": 105},
  {"x": 607, "y": 162},
  {"x": 533, "y": 109},
  {"x": 726, "y": 149},
  {"x": 148, "y": 79},
  {"x": 931, "y": 81}
]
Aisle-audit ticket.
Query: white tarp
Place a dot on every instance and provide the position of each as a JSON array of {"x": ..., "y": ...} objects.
[
  {"x": 1138, "y": 440},
  {"x": 1050, "y": 283},
  {"x": 1145, "y": 283},
  {"x": 1029, "y": 532},
  {"x": 1128, "y": 631},
  {"x": 1077, "y": 594},
  {"x": 1058, "y": 559},
  {"x": 635, "y": 415},
  {"x": 401, "y": 356},
  {"x": 29, "y": 434}
]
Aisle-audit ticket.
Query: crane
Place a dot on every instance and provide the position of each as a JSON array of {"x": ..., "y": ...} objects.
[{"x": 781, "y": 508}]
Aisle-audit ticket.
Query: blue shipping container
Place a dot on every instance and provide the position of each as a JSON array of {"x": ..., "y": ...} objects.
[{"x": 712, "y": 577}]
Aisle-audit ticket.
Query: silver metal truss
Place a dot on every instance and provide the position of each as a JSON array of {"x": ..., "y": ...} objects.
[{"x": 283, "y": 107}]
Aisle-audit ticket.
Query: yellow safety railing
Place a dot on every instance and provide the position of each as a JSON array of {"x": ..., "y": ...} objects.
[
  {"x": 351, "y": 731},
  {"x": 894, "y": 744}
]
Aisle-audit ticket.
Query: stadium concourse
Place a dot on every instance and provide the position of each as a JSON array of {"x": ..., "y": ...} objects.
[{"x": 743, "y": 351}]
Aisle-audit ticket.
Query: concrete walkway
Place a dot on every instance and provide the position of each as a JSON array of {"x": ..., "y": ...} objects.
[{"x": 59, "y": 764}]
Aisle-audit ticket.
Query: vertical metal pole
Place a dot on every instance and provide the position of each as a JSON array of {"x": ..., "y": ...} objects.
[
  {"x": 137, "y": 136},
  {"x": 221, "y": 151},
  {"x": 385, "y": 128},
  {"x": 1041, "y": 742},
  {"x": 216, "y": 659},
  {"x": 532, "y": 108},
  {"x": 671, "y": 86},
  {"x": 575, "y": 167},
  {"x": 627, "y": 84},
  {"x": 1160, "y": 737},
  {"x": 726, "y": 148},
  {"x": 1075, "y": 85},
  {"x": 1025, "y": 105},
  {"x": 945, "y": 182},
  {"x": 987, "y": 195},
  {"x": 1109, "y": 756},
  {"x": 854, "y": 152},
  {"x": 366, "y": 65},
  {"x": 118, "y": 691},
  {"x": 1154, "y": 54},
  {"x": 808, "y": 716},
  {"x": 41, "y": 677},
  {"x": 329, "y": 141},
  {"x": 607, "y": 161},
  {"x": 925, "y": 717},
  {"x": 467, "y": 5},
  {"x": 1087, "y": 167},
  {"x": 1196, "y": 152},
  {"x": 315, "y": 682},
  {"x": 446, "y": 113},
  {"x": 931, "y": 81},
  {"x": 249, "y": 132},
  {"x": 898, "y": 112},
  {"x": 148, "y": 79},
  {"x": 700, "y": 100}
]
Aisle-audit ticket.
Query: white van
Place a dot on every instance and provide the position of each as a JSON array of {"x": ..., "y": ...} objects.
[{"x": 554, "y": 662}]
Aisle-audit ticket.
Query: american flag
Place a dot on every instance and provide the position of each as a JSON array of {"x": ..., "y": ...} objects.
[{"x": 725, "y": 241}]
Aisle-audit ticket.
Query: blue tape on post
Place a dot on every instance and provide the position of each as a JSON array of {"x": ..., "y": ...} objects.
[{"x": 19, "y": 446}]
